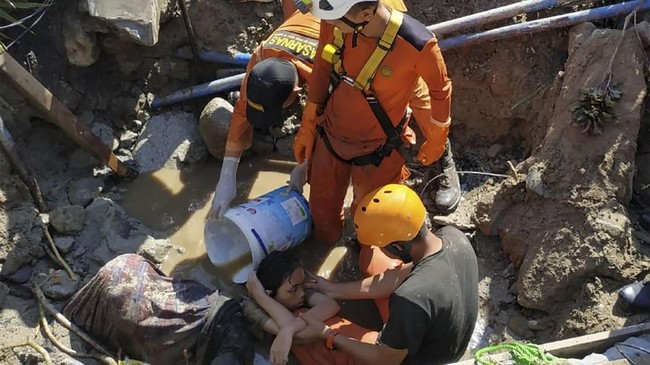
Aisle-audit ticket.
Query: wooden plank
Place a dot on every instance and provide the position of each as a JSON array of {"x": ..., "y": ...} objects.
[
  {"x": 578, "y": 347},
  {"x": 597, "y": 342},
  {"x": 57, "y": 113}
]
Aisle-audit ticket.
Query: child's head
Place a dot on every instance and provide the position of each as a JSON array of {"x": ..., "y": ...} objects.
[{"x": 282, "y": 276}]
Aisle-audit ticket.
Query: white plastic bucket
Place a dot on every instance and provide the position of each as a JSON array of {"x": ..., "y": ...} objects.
[{"x": 275, "y": 221}]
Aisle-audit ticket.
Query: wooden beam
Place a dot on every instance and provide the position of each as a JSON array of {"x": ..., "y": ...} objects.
[
  {"x": 578, "y": 347},
  {"x": 57, "y": 113}
]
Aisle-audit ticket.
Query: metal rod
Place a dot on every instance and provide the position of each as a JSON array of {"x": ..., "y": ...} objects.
[{"x": 190, "y": 31}]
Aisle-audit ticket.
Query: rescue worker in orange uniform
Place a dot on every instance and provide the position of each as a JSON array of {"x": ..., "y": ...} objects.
[
  {"x": 278, "y": 68},
  {"x": 369, "y": 58}
]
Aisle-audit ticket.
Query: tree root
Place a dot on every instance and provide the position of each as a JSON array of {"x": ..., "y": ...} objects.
[
  {"x": 60, "y": 259},
  {"x": 29, "y": 341},
  {"x": 65, "y": 322},
  {"x": 48, "y": 333}
]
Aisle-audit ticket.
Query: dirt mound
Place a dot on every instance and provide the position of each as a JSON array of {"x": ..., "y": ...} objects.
[{"x": 566, "y": 222}]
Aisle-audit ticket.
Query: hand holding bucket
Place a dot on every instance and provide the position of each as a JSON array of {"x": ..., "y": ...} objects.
[{"x": 298, "y": 177}]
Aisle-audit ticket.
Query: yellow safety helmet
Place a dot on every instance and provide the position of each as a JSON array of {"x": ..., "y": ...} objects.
[{"x": 389, "y": 214}]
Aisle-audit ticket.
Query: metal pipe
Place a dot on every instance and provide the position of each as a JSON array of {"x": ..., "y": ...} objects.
[
  {"x": 493, "y": 15},
  {"x": 539, "y": 25},
  {"x": 210, "y": 88},
  {"x": 236, "y": 59}
]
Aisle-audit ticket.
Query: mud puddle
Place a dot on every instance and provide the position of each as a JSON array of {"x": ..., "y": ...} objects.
[{"x": 178, "y": 201}]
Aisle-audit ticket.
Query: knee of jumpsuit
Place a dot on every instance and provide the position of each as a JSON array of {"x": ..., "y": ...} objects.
[
  {"x": 365, "y": 179},
  {"x": 328, "y": 179}
]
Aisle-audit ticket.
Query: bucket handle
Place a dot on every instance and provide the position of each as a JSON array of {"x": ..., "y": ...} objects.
[{"x": 260, "y": 242}]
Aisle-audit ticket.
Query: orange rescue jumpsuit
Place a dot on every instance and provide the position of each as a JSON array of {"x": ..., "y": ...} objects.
[
  {"x": 296, "y": 41},
  {"x": 353, "y": 129}
]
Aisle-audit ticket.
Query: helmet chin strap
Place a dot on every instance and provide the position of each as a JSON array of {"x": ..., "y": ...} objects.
[
  {"x": 403, "y": 253},
  {"x": 358, "y": 27}
]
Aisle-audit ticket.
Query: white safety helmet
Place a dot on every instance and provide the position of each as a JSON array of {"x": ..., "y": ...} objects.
[{"x": 332, "y": 9}]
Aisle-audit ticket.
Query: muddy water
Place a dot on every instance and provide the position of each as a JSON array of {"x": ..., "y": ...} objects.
[{"x": 178, "y": 202}]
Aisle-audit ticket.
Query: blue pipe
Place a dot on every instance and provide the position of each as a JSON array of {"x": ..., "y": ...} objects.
[
  {"x": 236, "y": 59},
  {"x": 493, "y": 15},
  {"x": 214, "y": 87},
  {"x": 539, "y": 25}
]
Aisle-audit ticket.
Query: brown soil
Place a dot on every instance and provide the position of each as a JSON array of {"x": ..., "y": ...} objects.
[{"x": 550, "y": 264}]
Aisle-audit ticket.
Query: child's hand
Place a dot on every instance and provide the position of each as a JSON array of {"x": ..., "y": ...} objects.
[{"x": 281, "y": 347}]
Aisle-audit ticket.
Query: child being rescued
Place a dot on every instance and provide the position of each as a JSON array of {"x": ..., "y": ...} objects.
[{"x": 277, "y": 302}]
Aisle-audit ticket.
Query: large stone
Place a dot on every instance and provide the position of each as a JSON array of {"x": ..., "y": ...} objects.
[
  {"x": 110, "y": 232},
  {"x": 68, "y": 219},
  {"x": 138, "y": 21},
  {"x": 214, "y": 125},
  {"x": 566, "y": 225},
  {"x": 155, "y": 250},
  {"x": 60, "y": 286},
  {"x": 81, "y": 47},
  {"x": 84, "y": 190},
  {"x": 169, "y": 140}
]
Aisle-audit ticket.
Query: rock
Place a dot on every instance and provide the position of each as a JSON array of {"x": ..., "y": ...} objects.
[
  {"x": 105, "y": 133},
  {"x": 534, "y": 181},
  {"x": 128, "y": 139},
  {"x": 138, "y": 21},
  {"x": 4, "y": 291},
  {"x": 214, "y": 125},
  {"x": 136, "y": 125},
  {"x": 494, "y": 150},
  {"x": 20, "y": 276},
  {"x": 643, "y": 29},
  {"x": 518, "y": 324},
  {"x": 155, "y": 250},
  {"x": 63, "y": 243},
  {"x": 81, "y": 47},
  {"x": 68, "y": 220},
  {"x": 84, "y": 190},
  {"x": 109, "y": 232},
  {"x": 68, "y": 95},
  {"x": 578, "y": 33},
  {"x": 169, "y": 140},
  {"x": 59, "y": 286}
]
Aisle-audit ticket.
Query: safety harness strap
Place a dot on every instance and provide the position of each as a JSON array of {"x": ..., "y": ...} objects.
[{"x": 384, "y": 45}]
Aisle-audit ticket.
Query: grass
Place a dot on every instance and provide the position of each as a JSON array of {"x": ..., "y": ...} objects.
[{"x": 15, "y": 13}]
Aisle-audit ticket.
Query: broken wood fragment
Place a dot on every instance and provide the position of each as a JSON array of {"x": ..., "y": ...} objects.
[{"x": 55, "y": 112}]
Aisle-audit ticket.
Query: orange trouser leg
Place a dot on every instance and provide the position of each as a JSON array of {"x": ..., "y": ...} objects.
[
  {"x": 328, "y": 182},
  {"x": 365, "y": 179},
  {"x": 317, "y": 354}
]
